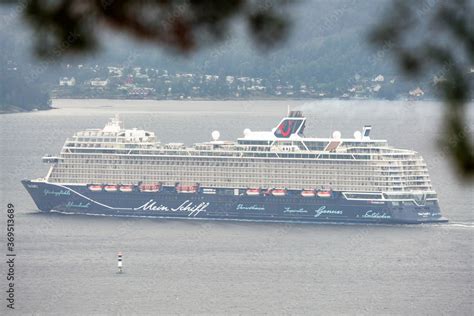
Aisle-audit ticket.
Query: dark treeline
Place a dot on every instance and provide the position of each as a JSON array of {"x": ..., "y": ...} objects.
[
  {"x": 17, "y": 93},
  {"x": 22, "y": 80}
]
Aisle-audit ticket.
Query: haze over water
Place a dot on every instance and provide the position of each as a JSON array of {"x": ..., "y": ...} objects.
[{"x": 67, "y": 263}]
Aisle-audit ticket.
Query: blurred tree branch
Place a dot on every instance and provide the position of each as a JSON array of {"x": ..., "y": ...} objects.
[
  {"x": 72, "y": 26},
  {"x": 430, "y": 37}
]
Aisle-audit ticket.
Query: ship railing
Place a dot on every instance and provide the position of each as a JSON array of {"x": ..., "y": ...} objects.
[{"x": 419, "y": 198}]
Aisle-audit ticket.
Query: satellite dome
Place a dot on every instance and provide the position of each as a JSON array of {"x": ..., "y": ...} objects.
[
  {"x": 215, "y": 135},
  {"x": 336, "y": 135},
  {"x": 247, "y": 131},
  {"x": 357, "y": 135}
]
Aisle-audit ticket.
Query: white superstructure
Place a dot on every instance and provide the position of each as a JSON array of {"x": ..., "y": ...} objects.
[{"x": 281, "y": 158}]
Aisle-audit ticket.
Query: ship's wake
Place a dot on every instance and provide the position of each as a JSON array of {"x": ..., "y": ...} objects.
[{"x": 460, "y": 225}]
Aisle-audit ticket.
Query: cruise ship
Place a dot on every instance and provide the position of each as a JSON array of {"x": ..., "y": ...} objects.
[{"x": 278, "y": 175}]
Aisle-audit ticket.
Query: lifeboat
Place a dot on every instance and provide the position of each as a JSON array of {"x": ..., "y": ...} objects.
[
  {"x": 253, "y": 192},
  {"x": 279, "y": 192},
  {"x": 110, "y": 188},
  {"x": 308, "y": 193},
  {"x": 126, "y": 188},
  {"x": 324, "y": 194},
  {"x": 149, "y": 187},
  {"x": 95, "y": 187},
  {"x": 186, "y": 188}
]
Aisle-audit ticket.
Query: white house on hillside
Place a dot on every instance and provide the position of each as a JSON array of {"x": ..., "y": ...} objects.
[
  {"x": 99, "y": 83},
  {"x": 379, "y": 78},
  {"x": 417, "y": 92},
  {"x": 69, "y": 82}
]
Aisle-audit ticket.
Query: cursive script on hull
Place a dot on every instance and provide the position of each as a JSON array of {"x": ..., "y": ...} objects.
[
  {"x": 187, "y": 206},
  {"x": 56, "y": 193},
  {"x": 373, "y": 214},
  {"x": 324, "y": 211},
  {"x": 71, "y": 204},
  {"x": 250, "y": 207}
]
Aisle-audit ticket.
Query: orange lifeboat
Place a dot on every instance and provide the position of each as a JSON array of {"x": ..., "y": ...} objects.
[
  {"x": 95, "y": 187},
  {"x": 149, "y": 187},
  {"x": 126, "y": 188},
  {"x": 111, "y": 188},
  {"x": 279, "y": 192},
  {"x": 308, "y": 193},
  {"x": 186, "y": 188},
  {"x": 253, "y": 192},
  {"x": 324, "y": 194}
]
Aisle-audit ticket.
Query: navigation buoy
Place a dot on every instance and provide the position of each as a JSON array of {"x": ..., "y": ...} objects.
[{"x": 119, "y": 262}]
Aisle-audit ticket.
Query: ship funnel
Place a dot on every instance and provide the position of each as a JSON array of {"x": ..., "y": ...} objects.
[
  {"x": 295, "y": 114},
  {"x": 366, "y": 131},
  {"x": 294, "y": 123}
]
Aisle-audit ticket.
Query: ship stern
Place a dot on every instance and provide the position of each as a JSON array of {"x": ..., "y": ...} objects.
[{"x": 418, "y": 214}]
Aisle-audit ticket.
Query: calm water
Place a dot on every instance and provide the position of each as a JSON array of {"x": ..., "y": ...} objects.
[{"x": 68, "y": 263}]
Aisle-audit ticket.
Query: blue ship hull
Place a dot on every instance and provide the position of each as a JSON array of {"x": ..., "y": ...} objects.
[{"x": 225, "y": 205}]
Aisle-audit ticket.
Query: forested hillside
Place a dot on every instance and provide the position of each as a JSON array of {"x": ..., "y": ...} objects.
[{"x": 326, "y": 48}]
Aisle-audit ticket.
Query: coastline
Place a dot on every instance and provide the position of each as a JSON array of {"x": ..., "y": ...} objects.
[{"x": 17, "y": 109}]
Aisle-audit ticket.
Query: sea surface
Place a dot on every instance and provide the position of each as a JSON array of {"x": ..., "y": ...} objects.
[{"x": 68, "y": 265}]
